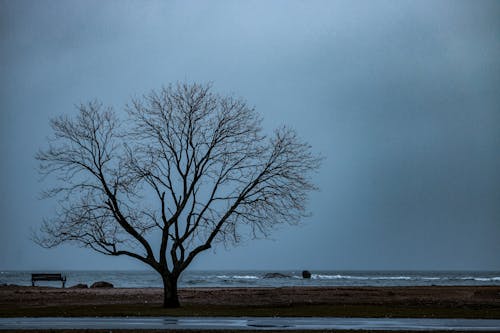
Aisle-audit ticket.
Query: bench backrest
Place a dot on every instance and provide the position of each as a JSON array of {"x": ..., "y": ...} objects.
[{"x": 48, "y": 277}]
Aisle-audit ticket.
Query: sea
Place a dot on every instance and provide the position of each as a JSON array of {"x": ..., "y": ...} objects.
[{"x": 230, "y": 278}]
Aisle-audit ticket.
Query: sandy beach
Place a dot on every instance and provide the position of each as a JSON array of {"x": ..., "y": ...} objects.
[{"x": 467, "y": 302}]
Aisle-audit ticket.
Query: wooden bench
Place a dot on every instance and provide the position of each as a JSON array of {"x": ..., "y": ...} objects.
[{"x": 48, "y": 277}]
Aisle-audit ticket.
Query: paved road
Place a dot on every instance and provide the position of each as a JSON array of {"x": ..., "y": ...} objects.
[{"x": 250, "y": 323}]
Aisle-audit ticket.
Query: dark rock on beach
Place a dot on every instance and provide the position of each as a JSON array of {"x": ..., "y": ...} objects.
[
  {"x": 306, "y": 274},
  {"x": 275, "y": 276},
  {"x": 102, "y": 284},
  {"x": 79, "y": 286}
]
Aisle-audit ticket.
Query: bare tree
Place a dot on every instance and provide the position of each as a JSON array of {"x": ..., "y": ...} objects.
[{"x": 188, "y": 168}]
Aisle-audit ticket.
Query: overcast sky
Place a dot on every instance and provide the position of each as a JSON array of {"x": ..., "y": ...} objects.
[{"x": 402, "y": 98}]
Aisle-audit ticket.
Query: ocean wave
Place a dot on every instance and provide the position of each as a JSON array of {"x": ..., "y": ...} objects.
[
  {"x": 327, "y": 277},
  {"x": 466, "y": 278},
  {"x": 196, "y": 281},
  {"x": 360, "y": 278},
  {"x": 484, "y": 279},
  {"x": 475, "y": 278},
  {"x": 246, "y": 277},
  {"x": 239, "y": 277},
  {"x": 351, "y": 277}
]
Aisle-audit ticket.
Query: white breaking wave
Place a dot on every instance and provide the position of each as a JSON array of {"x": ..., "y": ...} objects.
[
  {"x": 247, "y": 277},
  {"x": 327, "y": 277},
  {"x": 242, "y": 277},
  {"x": 407, "y": 278},
  {"x": 351, "y": 277},
  {"x": 482, "y": 279},
  {"x": 496, "y": 278}
]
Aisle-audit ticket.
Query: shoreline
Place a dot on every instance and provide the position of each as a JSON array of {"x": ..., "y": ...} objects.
[
  {"x": 432, "y": 302},
  {"x": 261, "y": 278}
]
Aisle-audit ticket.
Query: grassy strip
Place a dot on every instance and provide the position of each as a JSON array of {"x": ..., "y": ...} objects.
[{"x": 297, "y": 310}]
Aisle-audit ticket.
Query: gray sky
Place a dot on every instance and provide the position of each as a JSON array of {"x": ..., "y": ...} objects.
[{"x": 401, "y": 97}]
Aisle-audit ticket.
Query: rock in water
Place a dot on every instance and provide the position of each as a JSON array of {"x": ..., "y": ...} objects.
[
  {"x": 275, "y": 276},
  {"x": 79, "y": 286},
  {"x": 102, "y": 284},
  {"x": 306, "y": 274}
]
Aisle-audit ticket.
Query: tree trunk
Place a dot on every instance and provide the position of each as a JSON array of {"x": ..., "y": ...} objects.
[{"x": 170, "y": 296}]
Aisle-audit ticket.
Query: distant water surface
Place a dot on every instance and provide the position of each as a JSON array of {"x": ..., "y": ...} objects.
[{"x": 145, "y": 279}]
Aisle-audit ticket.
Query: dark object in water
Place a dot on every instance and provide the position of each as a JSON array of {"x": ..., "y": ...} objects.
[
  {"x": 275, "y": 276},
  {"x": 101, "y": 284},
  {"x": 306, "y": 274}
]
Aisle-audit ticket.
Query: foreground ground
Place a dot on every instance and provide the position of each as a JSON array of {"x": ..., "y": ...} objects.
[{"x": 436, "y": 302}]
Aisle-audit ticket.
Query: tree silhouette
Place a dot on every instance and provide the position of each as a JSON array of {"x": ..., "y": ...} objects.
[{"x": 188, "y": 168}]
